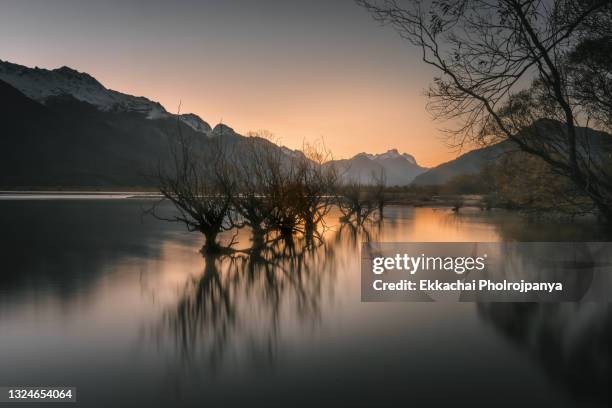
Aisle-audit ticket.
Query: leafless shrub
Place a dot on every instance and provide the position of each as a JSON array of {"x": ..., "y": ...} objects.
[
  {"x": 274, "y": 191},
  {"x": 251, "y": 203},
  {"x": 355, "y": 202},
  {"x": 275, "y": 172},
  {"x": 196, "y": 179},
  {"x": 317, "y": 184}
]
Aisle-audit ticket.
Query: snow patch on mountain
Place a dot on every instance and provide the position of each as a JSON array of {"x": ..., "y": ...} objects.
[
  {"x": 195, "y": 122},
  {"x": 390, "y": 154},
  {"x": 40, "y": 84},
  {"x": 222, "y": 130},
  {"x": 291, "y": 153},
  {"x": 399, "y": 168}
]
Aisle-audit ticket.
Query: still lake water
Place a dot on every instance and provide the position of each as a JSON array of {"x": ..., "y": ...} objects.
[{"x": 127, "y": 310}]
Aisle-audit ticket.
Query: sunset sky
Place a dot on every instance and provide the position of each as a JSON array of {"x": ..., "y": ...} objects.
[{"x": 304, "y": 70}]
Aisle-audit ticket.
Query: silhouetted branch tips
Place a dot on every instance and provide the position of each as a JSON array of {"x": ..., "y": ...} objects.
[
  {"x": 487, "y": 51},
  {"x": 196, "y": 179},
  {"x": 274, "y": 191}
]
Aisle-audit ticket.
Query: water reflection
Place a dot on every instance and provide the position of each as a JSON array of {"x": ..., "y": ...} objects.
[
  {"x": 235, "y": 307},
  {"x": 571, "y": 341},
  {"x": 62, "y": 247},
  {"x": 130, "y": 304}
]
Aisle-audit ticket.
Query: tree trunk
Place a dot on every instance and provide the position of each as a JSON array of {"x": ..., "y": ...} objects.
[
  {"x": 605, "y": 209},
  {"x": 309, "y": 230},
  {"x": 258, "y": 238},
  {"x": 211, "y": 245}
]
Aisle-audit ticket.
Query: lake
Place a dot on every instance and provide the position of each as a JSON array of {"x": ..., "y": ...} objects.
[{"x": 97, "y": 296}]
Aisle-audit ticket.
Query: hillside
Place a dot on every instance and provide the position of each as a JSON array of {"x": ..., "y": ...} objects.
[
  {"x": 468, "y": 163},
  {"x": 63, "y": 128}
]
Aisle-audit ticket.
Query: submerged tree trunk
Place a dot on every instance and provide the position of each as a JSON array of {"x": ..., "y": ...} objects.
[
  {"x": 605, "y": 210},
  {"x": 309, "y": 231},
  {"x": 211, "y": 246},
  {"x": 258, "y": 238}
]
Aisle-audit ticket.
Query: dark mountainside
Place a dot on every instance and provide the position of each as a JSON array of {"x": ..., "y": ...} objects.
[
  {"x": 62, "y": 128},
  {"x": 468, "y": 163},
  {"x": 67, "y": 142},
  {"x": 599, "y": 145},
  {"x": 70, "y": 143}
]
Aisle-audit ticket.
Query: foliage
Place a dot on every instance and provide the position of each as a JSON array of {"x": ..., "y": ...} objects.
[{"x": 525, "y": 182}]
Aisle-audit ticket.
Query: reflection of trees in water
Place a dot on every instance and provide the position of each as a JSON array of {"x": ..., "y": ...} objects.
[
  {"x": 570, "y": 340},
  {"x": 513, "y": 226},
  {"x": 581, "y": 267},
  {"x": 236, "y": 308},
  {"x": 206, "y": 302},
  {"x": 62, "y": 247},
  {"x": 354, "y": 234}
]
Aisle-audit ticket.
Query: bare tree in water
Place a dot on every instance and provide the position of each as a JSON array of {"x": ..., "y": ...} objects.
[
  {"x": 276, "y": 176},
  {"x": 317, "y": 183},
  {"x": 355, "y": 202},
  {"x": 196, "y": 179},
  {"x": 378, "y": 190},
  {"x": 488, "y": 51},
  {"x": 251, "y": 203}
]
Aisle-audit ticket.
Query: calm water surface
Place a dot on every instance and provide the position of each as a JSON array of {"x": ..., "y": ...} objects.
[{"x": 126, "y": 309}]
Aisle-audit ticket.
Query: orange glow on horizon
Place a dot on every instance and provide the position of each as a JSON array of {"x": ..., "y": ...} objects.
[
  {"x": 304, "y": 71},
  {"x": 348, "y": 119}
]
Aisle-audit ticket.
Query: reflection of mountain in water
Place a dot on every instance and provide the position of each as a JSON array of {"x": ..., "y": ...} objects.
[
  {"x": 570, "y": 340},
  {"x": 64, "y": 246}
]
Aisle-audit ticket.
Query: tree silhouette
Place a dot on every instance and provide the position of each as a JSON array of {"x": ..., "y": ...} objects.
[{"x": 524, "y": 71}]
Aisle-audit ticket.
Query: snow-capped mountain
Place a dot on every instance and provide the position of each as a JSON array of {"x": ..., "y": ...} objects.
[
  {"x": 41, "y": 84},
  {"x": 63, "y": 128},
  {"x": 195, "y": 122},
  {"x": 392, "y": 154},
  {"x": 399, "y": 168}
]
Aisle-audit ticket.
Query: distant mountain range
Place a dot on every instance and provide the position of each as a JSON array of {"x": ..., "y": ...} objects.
[
  {"x": 398, "y": 169},
  {"x": 468, "y": 163},
  {"x": 599, "y": 145},
  {"x": 42, "y": 84},
  {"x": 63, "y": 128}
]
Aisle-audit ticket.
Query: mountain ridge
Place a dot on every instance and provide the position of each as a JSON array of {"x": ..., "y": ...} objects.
[
  {"x": 61, "y": 117},
  {"x": 471, "y": 163},
  {"x": 63, "y": 128},
  {"x": 399, "y": 169},
  {"x": 41, "y": 84},
  {"x": 389, "y": 154},
  {"x": 465, "y": 164}
]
